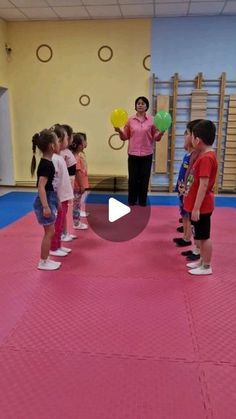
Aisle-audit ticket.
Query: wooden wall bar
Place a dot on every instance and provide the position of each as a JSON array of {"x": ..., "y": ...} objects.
[
  {"x": 194, "y": 99},
  {"x": 198, "y": 104},
  {"x": 161, "y": 150},
  {"x": 229, "y": 165}
]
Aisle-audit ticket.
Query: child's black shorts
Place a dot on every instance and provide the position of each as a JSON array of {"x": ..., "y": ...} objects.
[{"x": 202, "y": 227}]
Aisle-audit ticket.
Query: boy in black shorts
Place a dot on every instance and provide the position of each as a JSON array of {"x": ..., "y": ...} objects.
[{"x": 199, "y": 198}]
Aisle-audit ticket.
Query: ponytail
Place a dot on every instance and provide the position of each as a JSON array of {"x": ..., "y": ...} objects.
[
  {"x": 33, "y": 165},
  {"x": 77, "y": 141},
  {"x": 42, "y": 141},
  {"x": 35, "y": 140},
  {"x": 73, "y": 147}
]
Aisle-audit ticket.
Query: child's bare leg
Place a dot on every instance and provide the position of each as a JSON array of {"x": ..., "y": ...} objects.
[
  {"x": 83, "y": 201},
  {"x": 206, "y": 251},
  {"x": 187, "y": 229},
  {"x": 46, "y": 242},
  {"x": 196, "y": 247}
]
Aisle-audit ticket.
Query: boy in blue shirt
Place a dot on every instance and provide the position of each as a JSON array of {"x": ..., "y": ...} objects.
[{"x": 180, "y": 188}]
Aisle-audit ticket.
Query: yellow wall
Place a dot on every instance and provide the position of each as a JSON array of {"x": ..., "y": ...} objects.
[
  {"x": 3, "y": 55},
  {"x": 46, "y": 93}
]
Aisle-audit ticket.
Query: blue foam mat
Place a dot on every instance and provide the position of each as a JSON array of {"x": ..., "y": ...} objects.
[{"x": 15, "y": 205}]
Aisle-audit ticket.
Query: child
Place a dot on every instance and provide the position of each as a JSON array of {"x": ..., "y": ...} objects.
[
  {"x": 193, "y": 254},
  {"x": 64, "y": 191},
  {"x": 67, "y": 153},
  {"x": 83, "y": 212},
  {"x": 80, "y": 181},
  {"x": 180, "y": 187},
  {"x": 199, "y": 199},
  {"x": 46, "y": 202},
  {"x": 70, "y": 160}
]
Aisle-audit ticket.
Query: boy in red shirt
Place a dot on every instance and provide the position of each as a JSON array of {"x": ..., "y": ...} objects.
[{"x": 199, "y": 199}]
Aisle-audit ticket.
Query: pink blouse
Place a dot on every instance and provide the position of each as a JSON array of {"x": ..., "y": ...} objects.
[{"x": 141, "y": 134}]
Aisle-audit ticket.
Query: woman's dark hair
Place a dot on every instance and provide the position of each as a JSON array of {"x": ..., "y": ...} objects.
[
  {"x": 68, "y": 129},
  {"x": 192, "y": 124},
  {"x": 206, "y": 131},
  {"x": 77, "y": 141},
  {"x": 144, "y": 99},
  {"x": 41, "y": 140},
  {"x": 59, "y": 131}
]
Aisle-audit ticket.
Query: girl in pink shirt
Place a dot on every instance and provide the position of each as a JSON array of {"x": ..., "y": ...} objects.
[
  {"x": 83, "y": 212},
  {"x": 81, "y": 180},
  {"x": 141, "y": 134},
  {"x": 64, "y": 190}
]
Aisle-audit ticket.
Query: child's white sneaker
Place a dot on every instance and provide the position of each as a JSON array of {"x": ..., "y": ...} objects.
[
  {"x": 194, "y": 265},
  {"x": 72, "y": 236},
  {"x": 66, "y": 249},
  {"x": 84, "y": 214},
  {"x": 201, "y": 271},
  {"x": 48, "y": 265},
  {"x": 81, "y": 226},
  {"x": 57, "y": 252},
  {"x": 68, "y": 237}
]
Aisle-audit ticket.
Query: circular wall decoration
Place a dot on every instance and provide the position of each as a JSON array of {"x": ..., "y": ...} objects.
[
  {"x": 105, "y": 53},
  {"x": 44, "y": 53},
  {"x": 145, "y": 62},
  {"x": 112, "y": 146},
  {"x": 84, "y": 100}
]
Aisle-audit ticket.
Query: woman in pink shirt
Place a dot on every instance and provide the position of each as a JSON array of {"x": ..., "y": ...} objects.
[{"x": 142, "y": 134}]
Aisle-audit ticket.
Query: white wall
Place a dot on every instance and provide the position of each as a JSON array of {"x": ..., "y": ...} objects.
[{"x": 6, "y": 157}]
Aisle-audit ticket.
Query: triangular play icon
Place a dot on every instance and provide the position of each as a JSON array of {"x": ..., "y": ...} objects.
[{"x": 117, "y": 210}]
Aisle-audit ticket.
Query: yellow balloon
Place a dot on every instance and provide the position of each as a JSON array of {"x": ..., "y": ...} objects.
[{"x": 119, "y": 117}]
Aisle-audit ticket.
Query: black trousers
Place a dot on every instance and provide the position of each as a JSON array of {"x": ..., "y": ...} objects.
[{"x": 139, "y": 168}]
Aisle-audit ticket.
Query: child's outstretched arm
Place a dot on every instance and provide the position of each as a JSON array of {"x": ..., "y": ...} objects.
[
  {"x": 203, "y": 185},
  {"x": 43, "y": 197}
]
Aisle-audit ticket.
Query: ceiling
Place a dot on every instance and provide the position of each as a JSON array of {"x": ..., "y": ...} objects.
[{"x": 28, "y": 10}]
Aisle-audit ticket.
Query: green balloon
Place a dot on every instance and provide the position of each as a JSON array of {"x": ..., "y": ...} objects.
[{"x": 162, "y": 120}]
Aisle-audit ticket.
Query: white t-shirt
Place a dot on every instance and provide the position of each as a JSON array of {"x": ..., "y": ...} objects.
[
  {"x": 68, "y": 157},
  {"x": 61, "y": 182}
]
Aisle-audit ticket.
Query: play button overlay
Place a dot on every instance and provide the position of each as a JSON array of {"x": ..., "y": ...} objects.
[
  {"x": 117, "y": 210},
  {"x": 110, "y": 216}
]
